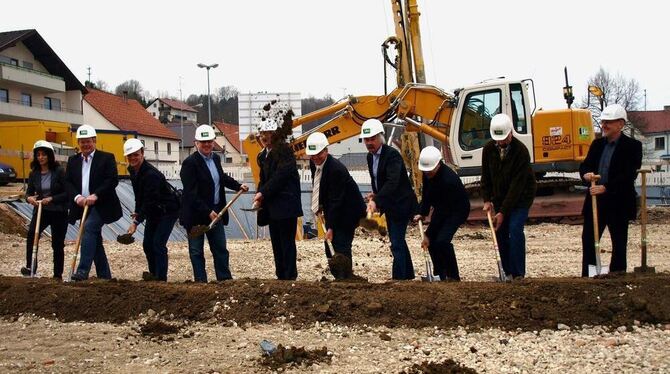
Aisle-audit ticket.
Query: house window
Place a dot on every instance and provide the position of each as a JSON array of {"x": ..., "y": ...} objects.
[
  {"x": 26, "y": 99},
  {"x": 169, "y": 148},
  {"x": 156, "y": 148},
  {"x": 229, "y": 160},
  {"x": 659, "y": 144},
  {"x": 4, "y": 95},
  {"x": 28, "y": 65},
  {"x": 51, "y": 103},
  {"x": 13, "y": 61}
]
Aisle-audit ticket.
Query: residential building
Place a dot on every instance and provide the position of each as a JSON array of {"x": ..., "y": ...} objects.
[
  {"x": 188, "y": 129},
  {"x": 172, "y": 111},
  {"x": 104, "y": 110},
  {"x": 35, "y": 84},
  {"x": 228, "y": 137},
  {"x": 655, "y": 126}
]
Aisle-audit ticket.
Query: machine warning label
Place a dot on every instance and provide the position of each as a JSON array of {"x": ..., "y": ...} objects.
[
  {"x": 556, "y": 131},
  {"x": 555, "y": 143}
]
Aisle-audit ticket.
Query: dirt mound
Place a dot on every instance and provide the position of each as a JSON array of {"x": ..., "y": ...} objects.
[
  {"x": 445, "y": 367},
  {"x": 532, "y": 304},
  {"x": 157, "y": 328},
  {"x": 284, "y": 357},
  {"x": 10, "y": 222},
  {"x": 658, "y": 214}
]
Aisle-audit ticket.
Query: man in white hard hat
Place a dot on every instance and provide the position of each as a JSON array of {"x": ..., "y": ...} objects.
[
  {"x": 444, "y": 192},
  {"x": 392, "y": 194},
  {"x": 616, "y": 158},
  {"x": 336, "y": 195},
  {"x": 92, "y": 178},
  {"x": 508, "y": 189},
  {"x": 278, "y": 195},
  {"x": 155, "y": 202},
  {"x": 204, "y": 195}
]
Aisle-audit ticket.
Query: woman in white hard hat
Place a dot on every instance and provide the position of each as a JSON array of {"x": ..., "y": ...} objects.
[
  {"x": 46, "y": 183},
  {"x": 155, "y": 202}
]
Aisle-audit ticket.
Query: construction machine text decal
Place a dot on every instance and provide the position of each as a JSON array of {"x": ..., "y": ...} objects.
[
  {"x": 556, "y": 142},
  {"x": 328, "y": 133}
]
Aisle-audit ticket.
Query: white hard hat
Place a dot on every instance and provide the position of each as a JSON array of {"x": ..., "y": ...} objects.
[
  {"x": 268, "y": 125},
  {"x": 43, "y": 144},
  {"x": 501, "y": 126},
  {"x": 371, "y": 127},
  {"x": 429, "y": 158},
  {"x": 131, "y": 146},
  {"x": 204, "y": 133},
  {"x": 316, "y": 143},
  {"x": 86, "y": 131},
  {"x": 614, "y": 112}
]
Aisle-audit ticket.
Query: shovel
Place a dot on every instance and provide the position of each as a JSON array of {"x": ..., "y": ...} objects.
[
  {"x": 33, "y": 266},
  {"x": 643, "y": 268},
  {"x": 201, "y": 229},
  {"x": 126, "y": 238},
  {"x": 368, "y": 222},
  {"x": 501, "y": 272},
  {"x": 598, "y": 269},
  {"x": 254, "y": 208},
  {"x": 77, "y": 244},
  {"x": 430, "y": 277},
  {"x": 340, "y": 265}
]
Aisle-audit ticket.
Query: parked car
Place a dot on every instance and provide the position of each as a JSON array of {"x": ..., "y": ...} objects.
[{"x": 7, "y": 174}]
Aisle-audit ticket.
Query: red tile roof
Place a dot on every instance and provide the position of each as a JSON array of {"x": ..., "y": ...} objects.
[
  {"x": 651, "y": 121},
  {"x": 231, "y": 132},
  {"x": 127, "y": 115},
  {"x": 179, "y": 105}
]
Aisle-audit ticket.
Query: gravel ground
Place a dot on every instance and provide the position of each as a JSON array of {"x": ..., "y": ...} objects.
[{"x": 35, "y": 344}]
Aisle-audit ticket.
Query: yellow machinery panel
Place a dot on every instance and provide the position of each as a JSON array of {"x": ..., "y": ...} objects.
[
  {"x": 562, "y": 135},
  {"x": 112, "y": 142},
  {"x": 18, "y": 137}
]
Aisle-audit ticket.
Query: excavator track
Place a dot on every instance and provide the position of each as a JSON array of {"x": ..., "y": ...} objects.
[{"x": 558, "y": 200}]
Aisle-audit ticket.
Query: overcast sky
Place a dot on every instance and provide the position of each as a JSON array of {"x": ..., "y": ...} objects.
[{"x": 323, "y": 47}]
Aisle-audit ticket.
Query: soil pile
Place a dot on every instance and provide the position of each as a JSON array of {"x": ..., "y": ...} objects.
[
  {"x": 446, "y": 367},
  {"x": 295, "y": 356},
  {"x": 532, "y": 304}
]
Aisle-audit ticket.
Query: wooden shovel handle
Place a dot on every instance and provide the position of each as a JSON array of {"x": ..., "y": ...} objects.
[{"x": 225, "y": 208}]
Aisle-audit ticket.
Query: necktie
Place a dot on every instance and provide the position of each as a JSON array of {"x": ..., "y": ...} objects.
[
  {"x": 503, "y": 152},
  {"x": 315, "y": 190}
]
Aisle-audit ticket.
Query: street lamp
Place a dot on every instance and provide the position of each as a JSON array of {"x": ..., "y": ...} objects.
[{"x": 209, "y": 103}]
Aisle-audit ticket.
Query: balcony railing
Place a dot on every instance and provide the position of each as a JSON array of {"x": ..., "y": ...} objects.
[
  {"x": 32, "y": 71},
  {"x": 41, "y": 106}
]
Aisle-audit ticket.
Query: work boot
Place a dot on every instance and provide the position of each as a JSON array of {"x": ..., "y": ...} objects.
[{"x": 25, "y": 271}]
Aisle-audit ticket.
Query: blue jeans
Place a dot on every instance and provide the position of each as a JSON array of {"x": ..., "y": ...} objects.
[
  {"x": 92, "y": 250},
  {"x": 216, "y": 237},
  {"x": 156, "y": 234},
  {"x": 403, "y": 269},
  {"x": 512, "y": 242}
]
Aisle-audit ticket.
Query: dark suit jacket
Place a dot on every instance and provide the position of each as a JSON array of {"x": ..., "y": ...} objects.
[
  {"x": 394, "y": 195},
  {"x": 103, "y": 180},
  {"x": 280, "y": 185},
  {"x": 58, "y": 189},
  {"x": 198, "y": 193},
  {"x": 619, "y": 200},
  {"x": 153, "y": 196},
  {"x": 342, "y": 202},
  {"x": 446, "y": 194}
]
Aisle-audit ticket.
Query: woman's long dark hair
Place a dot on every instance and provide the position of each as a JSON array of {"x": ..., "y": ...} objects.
[{"x": 35, "y": 164}]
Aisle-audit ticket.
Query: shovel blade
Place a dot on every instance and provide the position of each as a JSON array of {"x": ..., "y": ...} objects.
[
  {"x": 430, "y": 278},
  {"x": 593, "y": 270},
  {"x": 197, "y": 231}
]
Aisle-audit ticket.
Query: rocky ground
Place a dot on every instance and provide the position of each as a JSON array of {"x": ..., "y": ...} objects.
[{"x": 551, "y": 322}]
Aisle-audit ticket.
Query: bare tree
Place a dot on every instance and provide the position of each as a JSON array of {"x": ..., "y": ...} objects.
[
  {"x": 101, "y": 85},
  {"x": 616, "y": 89},
  {"x": 134, "y": 89}
]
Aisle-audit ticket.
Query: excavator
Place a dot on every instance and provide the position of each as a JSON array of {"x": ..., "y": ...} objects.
[{"x": 557, "y": 140}]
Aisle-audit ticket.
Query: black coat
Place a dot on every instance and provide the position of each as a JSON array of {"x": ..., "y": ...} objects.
[
  {"x": 153, "y": 196},
  {"x": 103, "y": 180},
  {"x": 58, "y": 190},
  {"x": 280, "y": 185},
  {"x": 342, "y": 202},
  {"x": 394, "y": 195},
  {"x": 619, "y": 198},
  {"x": 446, "y": 194},
  {"x": 198, "y": 193}
]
